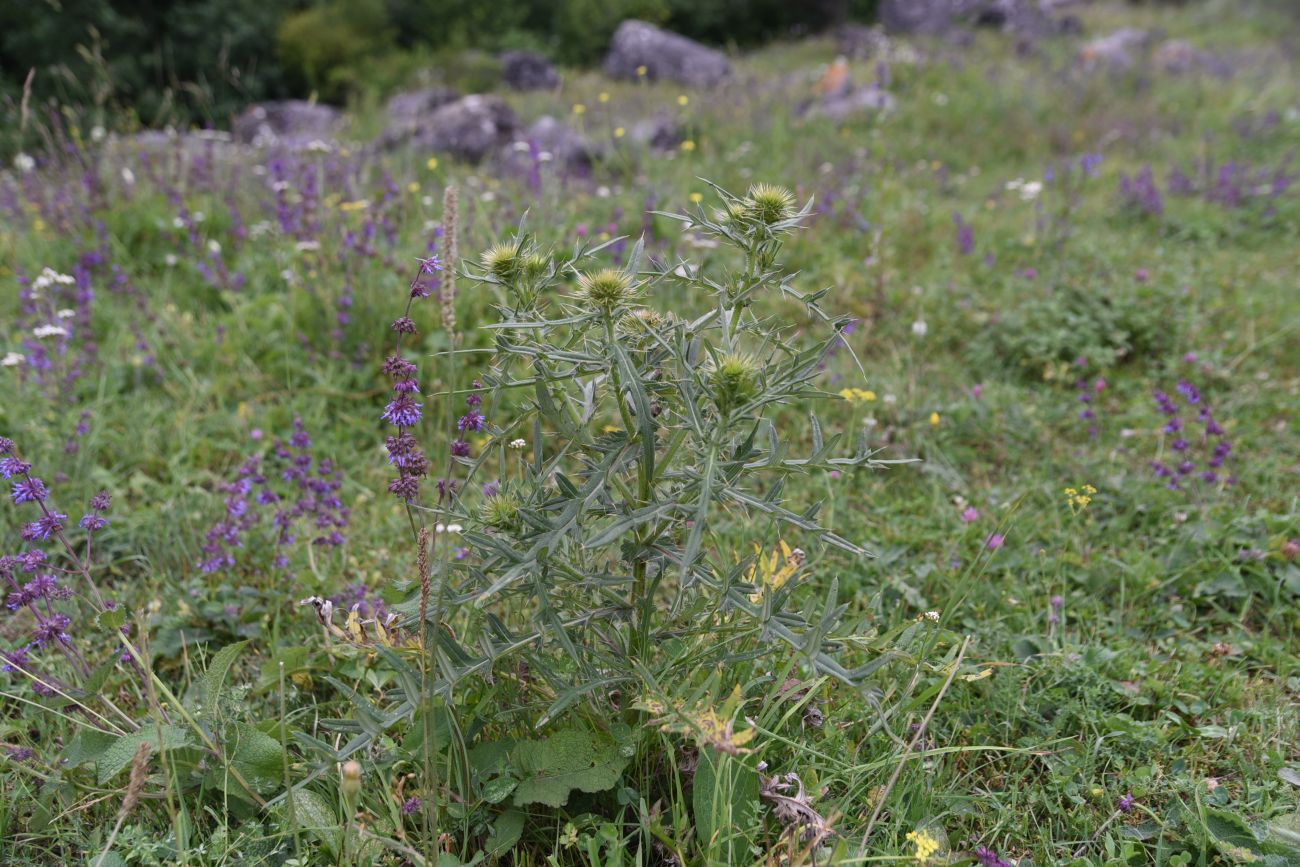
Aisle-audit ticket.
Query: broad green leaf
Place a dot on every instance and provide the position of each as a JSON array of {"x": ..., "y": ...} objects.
[
  {"x": 506, "y": 831},
  {"x": 214, "y": 679},
  {"x": 115, "y": 759},
  {"x": 256, "y": 755},
  {"x": 725, "y": 806},
  {"x": 86, "y": 746},
  {"x": 553, "y": 767}
]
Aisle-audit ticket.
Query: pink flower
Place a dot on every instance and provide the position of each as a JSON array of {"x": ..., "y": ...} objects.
[
  {"x": 994, "y": 541},
  {"x": 1142, "y": 275},
  {"x": 970, "y": 515},
  {"x": 976, "y": 391},
  {"x": 1099, "y": 386}
]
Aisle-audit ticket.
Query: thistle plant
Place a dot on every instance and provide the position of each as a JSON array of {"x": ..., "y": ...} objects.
[{"x": 633, "y": 458}]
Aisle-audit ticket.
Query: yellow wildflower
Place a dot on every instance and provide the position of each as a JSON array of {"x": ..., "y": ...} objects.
[
  {"x": 696, "y": 197},
  {"x": 925, "y": 845},
  {"x": 772, "y": 574},
  {"x": 413, "y": 187},
  {"x": 641, "y": 71},
  {"x": 1078, "y": 500},
  {"x": 854, "y": 395},
  {"x": 683, "y": 99},
  {"x": 619, "y": 132},
  {"x": 579, "y": 108},
  {"x": 934, "y": 419},
  {"x": 359, "y": 205},
  {"x": 687, "y": 145},
  {"x": 604, "y": 97},
  {"x": 432, "y": 163}
]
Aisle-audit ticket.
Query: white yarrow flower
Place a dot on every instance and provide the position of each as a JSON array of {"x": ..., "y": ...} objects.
[
  {"x": 920, "y": 328},
  {"x": 517, "y": 444},
  {"x": 24, "y": 163},
  {"x": 66, "y": 313},
  {"x": 43, "y": 331},
  {"x": 12, "y": 359}
]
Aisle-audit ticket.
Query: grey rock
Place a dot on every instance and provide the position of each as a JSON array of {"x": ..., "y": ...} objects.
[
  {"x": 406, "y": 109},
  {"x": 660, "y": 132},
  {"x": 858, "y": 100},
  {"x": 941, "y": 17},
  {"x": 860, "y": 43},
  {"x": 665, "y": 56},
  {"x": 470, "y": 128},
  {"x": 528, "y": 70},
  {"x": 548, "y": 140},
  {"x": 290, "y": 123},
  {"x": 1118, "y": 49}
]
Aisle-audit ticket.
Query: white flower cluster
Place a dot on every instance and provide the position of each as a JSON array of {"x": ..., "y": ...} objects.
[
  {"x": 49, "y": 277},
  {"x": 1028, "y": 190}
]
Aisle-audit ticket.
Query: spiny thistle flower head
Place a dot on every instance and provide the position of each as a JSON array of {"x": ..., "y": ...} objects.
[
  {"x": 502, "y": 260},
  {"x": 735, "y": 380},
  {"x": 535, "y": 265},
  {"x": 606, "y": 288},
  {"x": 770, "y": 203},
  {"x": 501, "y": 512},
  {"x": 732, "y": 213}
]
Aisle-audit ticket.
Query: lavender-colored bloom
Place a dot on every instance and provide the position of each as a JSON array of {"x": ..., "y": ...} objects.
[
  {"x": 12, "y": 466},
  {"x": 44, "y": 526},
  {"x": 6, "y": 446},
  {"x": 51, "y": 629},
  {"x": 965, "y": 235},
  {"x": 29, "y": 490},
  {"x": 411, "y": 806},
  {"x": 32, "y": 560},
  {"x": 399, "y": 368},
  {"x": 92, "y": 523},
  {"x": 405, "y": 487},
  {"x": 491, "y": 489},
  {"x": 471, "y": 421},
  {"x": 1125, "y": 804},
  {"x": 460, "y": 448},
  {"x": 403, "y": 412},
  {"x": 101, "y": 502},
  {"x": 16, "y": 660},
  {"x": 988, "y": 858},
  {"x": 404, "y": 325},
  {"x": 994, "y": 541}
]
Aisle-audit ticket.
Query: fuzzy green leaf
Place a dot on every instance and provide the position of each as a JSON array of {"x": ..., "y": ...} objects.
[{"x": 553, "y": 767}]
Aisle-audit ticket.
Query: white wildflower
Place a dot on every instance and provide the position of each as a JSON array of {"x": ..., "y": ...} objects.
[
  {"x": 518, "y": 444},
  {"x": 128, "y": 176},
  {"x": 170, "y": 260},
  {"x": 214, "y": 247},
  {"x": 24, "y": 163},
  {"x": 97, "y": 133},
  {"x": 920, "y": 328},
  {"x": 43, "y": 331},
  {"x": 932, "y": 616},
  {"x": 307, "y": 246},
  {"x": 12, "y": 359},
  {"x": 66, "y": 313}
]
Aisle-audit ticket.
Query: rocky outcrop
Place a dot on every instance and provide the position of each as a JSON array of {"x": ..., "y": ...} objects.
[{"x": 643, "y": 50}]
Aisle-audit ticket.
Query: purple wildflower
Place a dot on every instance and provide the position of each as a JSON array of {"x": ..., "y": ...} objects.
[
  {"x": 471, "y": 421},
  {"x": 403, "y": 412},
  {"x": 994, "y": 541},
  {"x": 29, "y": 490},
  {"x": 460, "y": 448},
  {"x": 12, "y": 466},
  {"x": 1125, "y": 804},
  {"x": 988, "y": 858},
  {"x": 411, "y": 806},
  {"x": 44, "y": 527}
]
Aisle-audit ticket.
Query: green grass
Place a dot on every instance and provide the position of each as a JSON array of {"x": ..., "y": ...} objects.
[{"x": 1173, "y": 674}]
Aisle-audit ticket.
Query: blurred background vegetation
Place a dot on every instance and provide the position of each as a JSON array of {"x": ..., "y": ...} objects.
[{"x": 199, "y": 61}]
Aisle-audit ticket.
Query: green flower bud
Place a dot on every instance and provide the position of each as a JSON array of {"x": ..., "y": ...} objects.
[
  {"x": 769, "y": 203},
  {"x": 535, "y": 265},
  {"x": 605, "y": 289},
  {"x": 735, "y": 380},
  {"x": 501, "y": 512},
  {"x": 502, "y": 260}
]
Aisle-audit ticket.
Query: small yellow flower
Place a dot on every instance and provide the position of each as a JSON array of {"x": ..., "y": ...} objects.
[
  {"x": 855, "y": 395},
  {"x": 683, "y": 99},
  {"x": 579, "y": 108},
  {"x": 604, "y": 97},
  {"x": 431, "y": 164},
  {"x": 1078, "y": 501},
  {"x": 696, "y": 197},
  {"x": 413, "y": 187},
  {"x": 934, "y": 419},
  {"x": 641, "y": 71},
  {"x": 687, "y": 145},
  {"x": 359, "y": 205},
  {"x": 925, "y": 845},
  {"x": 619, "y": 132}
]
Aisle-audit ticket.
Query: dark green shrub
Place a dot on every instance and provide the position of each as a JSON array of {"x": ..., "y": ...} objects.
[{"x": 322, "y": 48}]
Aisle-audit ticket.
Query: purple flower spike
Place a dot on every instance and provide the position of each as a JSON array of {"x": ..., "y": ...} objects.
[{"x": 29, "y": 490}]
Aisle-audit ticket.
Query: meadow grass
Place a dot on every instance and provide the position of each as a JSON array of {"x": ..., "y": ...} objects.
[{"x": 1140, "y": 643}]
